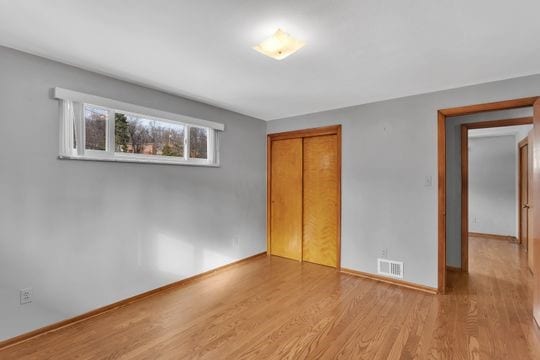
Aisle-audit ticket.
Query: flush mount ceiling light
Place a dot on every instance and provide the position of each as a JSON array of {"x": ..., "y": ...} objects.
[{"x": 279, "y": 46}]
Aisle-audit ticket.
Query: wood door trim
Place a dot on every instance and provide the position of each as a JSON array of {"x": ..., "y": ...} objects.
[
  {"x": 464, "y": 198},
  {"x": 521, "y": 144},
  {"x": 465, "y": 177},
  {"x": 501, "y": 123},
  {"x": 338, "y": 249},
  {"x": 320, "y": 131},
  {"x": 119, "y": 304},
  {"x": 492, "y": 106},
  {"x": 303, "y": 198},
  {"x": 441, "y": 194},
  {"x": 534, "y": 242},
  {"x": 494, "y": 236},
  {"x": 268, "y": 194},
  {"x": 442, "y": 116}
]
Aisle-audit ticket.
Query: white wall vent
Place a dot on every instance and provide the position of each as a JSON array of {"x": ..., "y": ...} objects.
[{"x": 390, "y": 268}]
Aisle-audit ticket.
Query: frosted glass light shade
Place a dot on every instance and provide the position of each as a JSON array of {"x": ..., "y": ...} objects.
[{"x": 279, "y": 46}]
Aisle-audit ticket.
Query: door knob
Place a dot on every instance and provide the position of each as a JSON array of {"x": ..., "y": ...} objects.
[{"x": 526, "y": 206}]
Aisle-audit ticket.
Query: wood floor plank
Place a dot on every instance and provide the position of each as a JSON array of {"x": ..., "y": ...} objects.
[{"x": 274, "y": 308}]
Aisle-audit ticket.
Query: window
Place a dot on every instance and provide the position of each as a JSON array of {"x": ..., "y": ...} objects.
[
  {"x": 138, "y": 135},
  {"x": 198, "y": 143},
  {"x": 94, "y": 128}
]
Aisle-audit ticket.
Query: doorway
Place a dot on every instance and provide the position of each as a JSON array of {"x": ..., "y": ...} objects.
[
  {"x": 304, "y": 195},
  {"x": 490, "y": 186},
  {"x": 444, "y": 115}
]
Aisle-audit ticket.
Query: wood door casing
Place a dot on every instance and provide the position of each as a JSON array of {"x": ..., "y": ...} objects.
[
  {"x": 523, "y": 195},
  {"x": 321, "y": 191},
  {"x": 530, "y": 212},
  {"x": 286, "y": 198},
  {"x": 536, "y": 214}
]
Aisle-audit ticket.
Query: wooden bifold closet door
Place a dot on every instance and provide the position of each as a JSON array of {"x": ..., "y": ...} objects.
[
  {"x": 286, "y": 198},
  {"x": 304, "y": 195},
  {"x": 320, "y": 200}
]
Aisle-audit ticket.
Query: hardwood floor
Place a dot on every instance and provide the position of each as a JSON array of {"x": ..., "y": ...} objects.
[{"x": 273, "y": 308}]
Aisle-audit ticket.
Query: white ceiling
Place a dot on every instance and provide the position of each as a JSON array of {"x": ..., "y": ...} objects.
[{"x": 356, "y": 51}]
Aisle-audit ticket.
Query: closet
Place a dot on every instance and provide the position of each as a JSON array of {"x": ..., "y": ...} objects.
[{"x": 304, "y": 195}]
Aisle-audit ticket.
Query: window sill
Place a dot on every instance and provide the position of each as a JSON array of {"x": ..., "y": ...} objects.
[{"x": 135, "y": 160}]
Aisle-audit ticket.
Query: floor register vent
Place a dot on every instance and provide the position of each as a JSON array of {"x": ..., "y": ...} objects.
[{"x": 390, "y": 268}]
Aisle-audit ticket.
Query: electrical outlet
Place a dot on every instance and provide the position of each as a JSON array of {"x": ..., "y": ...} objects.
[
  {"x": 428, "y": 181},
  {"x": 25, "y": 296},
  {"x": 385, "y": 253},
  {"x": 236, "y": 243}
]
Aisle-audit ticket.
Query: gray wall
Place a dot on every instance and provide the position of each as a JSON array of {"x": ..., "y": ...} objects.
[
  {"x": 492, "y": 185},
  {"x": 389, "y": 148},
  {"x": 86, "y": 234}
]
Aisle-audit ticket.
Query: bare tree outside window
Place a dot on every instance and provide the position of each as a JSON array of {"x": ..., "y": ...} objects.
[
  {"x": 95, "y": 120},
  {"x": 138, "y": 135},
  {"x": 198, "y": 143}
]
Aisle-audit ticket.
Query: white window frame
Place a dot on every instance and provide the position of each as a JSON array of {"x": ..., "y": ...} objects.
[{"x": 72, "y": 123}]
